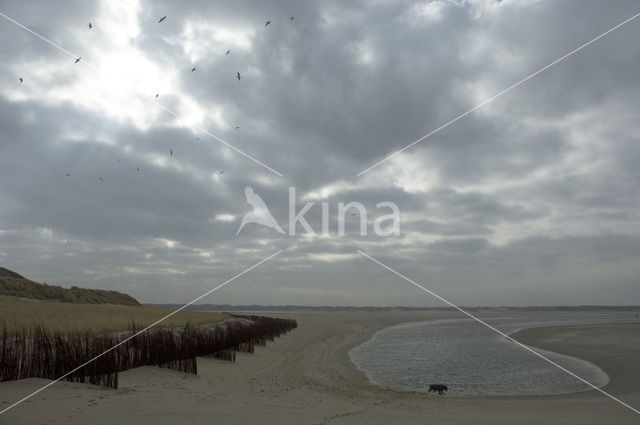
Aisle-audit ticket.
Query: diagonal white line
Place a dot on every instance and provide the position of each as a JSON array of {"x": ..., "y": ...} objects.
[
  {"x": 172, "y": 112},
  {"x": 218, "y": 139},
  {"x": 496, "y": 330},
  {"x": 499, "y": 94},
  {"x": 139, "y": 332}
]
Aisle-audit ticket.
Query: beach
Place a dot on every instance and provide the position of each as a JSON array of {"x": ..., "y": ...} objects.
[{"x": 306, "y": 377}]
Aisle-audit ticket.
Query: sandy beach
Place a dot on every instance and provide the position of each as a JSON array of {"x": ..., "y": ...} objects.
[{"x": 306, "y": 377}]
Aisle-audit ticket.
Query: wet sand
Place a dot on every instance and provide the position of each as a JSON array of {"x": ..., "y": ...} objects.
[{"x": 306, "y": 377}]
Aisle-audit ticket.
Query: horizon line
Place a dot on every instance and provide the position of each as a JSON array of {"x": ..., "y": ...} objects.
[{"x": 604, "y": 306}]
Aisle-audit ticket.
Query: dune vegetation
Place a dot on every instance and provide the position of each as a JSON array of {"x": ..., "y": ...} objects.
[
  {"x": 47, "y": 332},
  {"x": 14, "y": 285},
  {"x": 19, "y": 314}
]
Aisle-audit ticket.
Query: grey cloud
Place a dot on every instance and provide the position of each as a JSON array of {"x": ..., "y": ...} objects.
[{"x": 523, "y": 194}]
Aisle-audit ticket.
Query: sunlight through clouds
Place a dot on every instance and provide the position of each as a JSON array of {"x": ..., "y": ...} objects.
[{"x": 88, "y": 155}]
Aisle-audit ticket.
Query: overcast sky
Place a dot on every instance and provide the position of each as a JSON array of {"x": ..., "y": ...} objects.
[{"x": 532, "y": 199}]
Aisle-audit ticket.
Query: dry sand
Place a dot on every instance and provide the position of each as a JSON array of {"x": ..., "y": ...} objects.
[{"x": 306, "y": 377}]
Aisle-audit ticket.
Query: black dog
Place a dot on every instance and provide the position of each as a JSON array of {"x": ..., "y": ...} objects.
[{"x": 438, "y": 388}]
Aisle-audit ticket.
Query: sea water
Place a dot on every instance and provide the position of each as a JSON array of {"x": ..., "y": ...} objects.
[{"x": 472, "y": 359}]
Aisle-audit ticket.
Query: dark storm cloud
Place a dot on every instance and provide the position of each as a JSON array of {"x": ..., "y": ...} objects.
[{"x": 512, "y": 204}]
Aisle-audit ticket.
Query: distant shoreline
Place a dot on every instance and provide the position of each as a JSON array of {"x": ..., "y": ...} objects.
[{"x": 303, "y": 308}]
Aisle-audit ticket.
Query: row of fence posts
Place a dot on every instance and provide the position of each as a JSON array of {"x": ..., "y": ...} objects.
[{"x": 51, "y": 355}]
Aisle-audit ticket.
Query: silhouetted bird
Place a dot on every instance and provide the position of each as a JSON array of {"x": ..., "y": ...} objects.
[
  {"x": 238, "y": 76},
  {"x": 137, "y": 169},
  {"x": 221, "y": 172},
  {"x": 21, "y": 80},
  {"x": 162, "y": 19},
  {"x": 68, "y": 174},
  {"x": 171, "y": 152},
  {"x": 90, "y": 25},
  {"x": 193, "y": 69},
  {"x": 292, "y": 18},
  {"x": 237, "y": 127},
  {"x": 78, "y": 60},
  {"x": 268, "y": 23},
  {"x": 157, "y": 95},
  {"x": 228, "y": 51},
  {"x": 101, "y": 179}
]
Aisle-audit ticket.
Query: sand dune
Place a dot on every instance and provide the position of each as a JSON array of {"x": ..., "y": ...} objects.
[{"x": 306, "y": 377}]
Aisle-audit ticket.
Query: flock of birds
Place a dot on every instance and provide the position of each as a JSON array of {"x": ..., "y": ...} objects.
[{"x": 164, "y": 18}]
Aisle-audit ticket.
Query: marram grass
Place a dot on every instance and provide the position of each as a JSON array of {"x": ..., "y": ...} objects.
[{"x": 19, "y": 314}]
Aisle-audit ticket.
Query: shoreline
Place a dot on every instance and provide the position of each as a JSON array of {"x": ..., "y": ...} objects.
[
  {"x": 569, "y": 340},
  {"x": 517, "y": 332},
  {"x": 307, "y": 377}
]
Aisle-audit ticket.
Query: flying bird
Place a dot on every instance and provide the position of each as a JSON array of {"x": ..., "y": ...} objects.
[
  {"x": 193, "y": 69},
  {"x": 292, "y": 18},
  {"x": 260, "y": 213},
  {"x": 221, "y": 172},
  {"x": 68, "y": 174},
  {"x": 268, "y": 22},
  {"x": 21, "y": 80},
  {"x": 137, "y": 169},
  {"x": 162, "y": 19},
  {"x": 238, "y": 76},
  {"x": 237, "y": 127},
  {"x": 228, "y": 51},
  {"x": 157, "y": 95},
  {"x": 78, "y": 60},
  {"x": 90, "y": 25},
  {"x": 101, "y": 179}
]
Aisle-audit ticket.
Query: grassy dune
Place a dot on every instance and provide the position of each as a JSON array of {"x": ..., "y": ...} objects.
[
  {"x": 18, "y": 314},
  {"x": 14, "y": 285}
]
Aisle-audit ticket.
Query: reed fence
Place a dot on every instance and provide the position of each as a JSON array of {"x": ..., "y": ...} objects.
[{"x": 45, "y": 354}]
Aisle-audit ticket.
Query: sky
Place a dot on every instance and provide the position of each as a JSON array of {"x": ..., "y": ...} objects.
[{"x": 531, "y": 199}]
